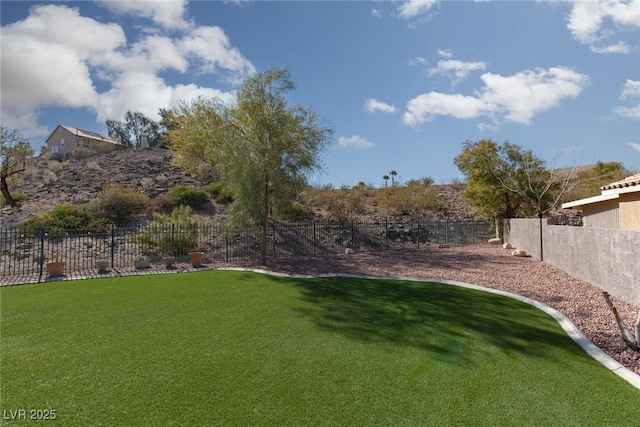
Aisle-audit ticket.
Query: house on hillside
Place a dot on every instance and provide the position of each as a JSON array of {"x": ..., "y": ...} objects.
[
  {"x": 618, "y": 206},
  {"x": 64, "y": 140}
]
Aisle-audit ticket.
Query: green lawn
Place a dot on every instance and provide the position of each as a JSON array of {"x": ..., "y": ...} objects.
[{"x": 238, "y": 348}]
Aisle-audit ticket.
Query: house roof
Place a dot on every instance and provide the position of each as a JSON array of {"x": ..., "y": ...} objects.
[
  {"x": 630, "y": 184},
  {"x": 590, "y": 200},
  {"x": 630, "y": 181},
  {"x": 85, "y": 134}
]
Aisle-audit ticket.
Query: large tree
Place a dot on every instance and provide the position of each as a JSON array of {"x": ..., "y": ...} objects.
[
  {"x": 262, "y": 148},
  {"x": 135, "y": 124},
  {"x": 15, "y": 153},
  {"x": 481, "y": 164}
]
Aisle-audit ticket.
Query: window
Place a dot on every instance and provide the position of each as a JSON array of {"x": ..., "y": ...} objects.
[{"x": 62, "y": 142}]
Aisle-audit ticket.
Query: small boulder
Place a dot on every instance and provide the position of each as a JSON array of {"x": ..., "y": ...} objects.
[
  {"x": 519, "y": 253},
  {"x": 495, "y": 241},
  {"x": 349, "y": 251},
  {"x": 507, "y": 246}
]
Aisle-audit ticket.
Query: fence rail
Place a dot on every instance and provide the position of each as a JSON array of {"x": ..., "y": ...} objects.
[{"x": 25, "y": 252}]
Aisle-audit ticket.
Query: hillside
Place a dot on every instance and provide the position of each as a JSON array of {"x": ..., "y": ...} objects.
[{"x": 48, "y": 183}]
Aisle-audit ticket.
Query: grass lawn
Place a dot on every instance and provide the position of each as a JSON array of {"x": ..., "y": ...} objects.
[{"x": 238, "y": 348}]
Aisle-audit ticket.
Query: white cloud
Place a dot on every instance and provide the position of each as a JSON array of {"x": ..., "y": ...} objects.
[
  {"x": 517, "y": 98},
  {"x": 620, "y": 47},
  {"x": 166, "y": 13},
  {"x": 630, "y": 92},
  {"x": 44, "y": 64},
  {"x": 372, "y": 105},
  {"x": 455, "y": 70},
  {"x": 355, "y": 142},
  {"x": 529, "y": 92},
  {"x": 634, "y": 145},
  {"x": 418, "y": 60},
  {"x": 376, "y": 13},
  {"x": 632, "y": 113},
  {"x": 588, "y": 19},
  {"x": 425, "y": 107},
  {"x": 631, "y": 89},
  {"x": 445, "y": 53},
  {"x": 212, "y": 47},
  {"x": 413, "y": 8}
]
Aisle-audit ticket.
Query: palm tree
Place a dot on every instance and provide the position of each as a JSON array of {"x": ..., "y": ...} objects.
[
  {"x": 393, "y": 174},
  {"x": 386, "y": 178}
]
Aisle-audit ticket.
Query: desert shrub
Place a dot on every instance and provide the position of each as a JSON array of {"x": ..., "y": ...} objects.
[
  {"x": 183, "y": 195},
  {"x": 61, "y": 217},
  {"x": 344, "y": 205},
  {"x": 83, "y": 153},
  {"x": 49, "y": 177},
  {"x": 18, "y": 197},
  {"x": 294, "y": 212},
  {"x": 220, "y": 192},
  {"x": 55, "y": 157},
  {"x": 402, "y": 201},
  {"x": 147, "y": 183},
  {"x": 161, "y": 203},
  {"x": 175, "y": 234},
  {"x": 161, "y": 179},
  {"x": 120, "y": 204},
  {"x": 94, "y": 166}
]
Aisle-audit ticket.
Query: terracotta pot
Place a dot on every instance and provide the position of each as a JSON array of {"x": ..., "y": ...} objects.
[
  {"x": 56, "y": 268},
  {"x": 102, "y": 266},
  {"x": 195, "y": 258},
  {"x": 169, "y": 261},
  {"x": 142, "y": 263}
]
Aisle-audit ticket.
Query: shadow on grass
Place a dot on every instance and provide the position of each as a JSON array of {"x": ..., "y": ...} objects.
[{"x": 446, "y": 320}]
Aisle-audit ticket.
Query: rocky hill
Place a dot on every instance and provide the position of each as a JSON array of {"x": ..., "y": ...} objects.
[{"x": 48, "y": 183}]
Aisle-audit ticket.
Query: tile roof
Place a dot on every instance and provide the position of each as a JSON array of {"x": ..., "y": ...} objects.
[{"x": 629, "y": 181}]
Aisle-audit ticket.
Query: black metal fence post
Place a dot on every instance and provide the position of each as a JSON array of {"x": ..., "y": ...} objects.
[
  {"x": 41, "y": 257},
  {"x": 113, "y": 245}
]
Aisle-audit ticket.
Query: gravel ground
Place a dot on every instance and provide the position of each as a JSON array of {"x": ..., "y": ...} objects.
[{"x": 492, "y": 267}]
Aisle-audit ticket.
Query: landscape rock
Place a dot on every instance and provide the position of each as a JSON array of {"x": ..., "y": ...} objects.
[
  {"x": 507, "y": 246},
  {"x": 495, "y": 241},
  {"x": 519, "y": 252},
  {"x": 349, "y": 251}
]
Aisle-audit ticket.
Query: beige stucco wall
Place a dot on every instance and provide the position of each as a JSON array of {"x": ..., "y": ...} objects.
[
  {"x": 605, "y": 258},
  {"x": 601, "y": 215},
  {"x": 630, "y": 211},
  {"x": 61, "y": 141}
]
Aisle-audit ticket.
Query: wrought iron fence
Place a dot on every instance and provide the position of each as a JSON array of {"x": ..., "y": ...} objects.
[{"x": 24, "y": 253}]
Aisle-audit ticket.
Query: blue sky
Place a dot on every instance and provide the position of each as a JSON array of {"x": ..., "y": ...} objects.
[{"x": 402, "y": 83}]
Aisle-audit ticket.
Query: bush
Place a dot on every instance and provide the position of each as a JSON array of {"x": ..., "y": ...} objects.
[
  {"x": 294, "y": 212},
  {"x": 62, "y": 217},
  {"x": 220, "y": 192},
  {"x": 183, "y": 195},
  {"x": 119, "y": 204},
  {"x": 18, "y": 197},
  {"x": 160, "y": 204},
  {"x": 175, "y": 234}
]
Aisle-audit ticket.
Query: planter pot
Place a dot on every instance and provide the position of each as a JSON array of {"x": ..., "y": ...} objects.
[
  {"x": 169, "y": 261},
  {"x": 56, "y": 268},
  {"x": 141, "y": 264},
  {"x": 102, "y": 266},
  {"x": 195, "y": 258}
]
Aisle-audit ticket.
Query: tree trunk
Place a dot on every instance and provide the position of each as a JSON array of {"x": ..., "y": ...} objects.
[
  {"x": 5, "y": 192},
  {"x": 632, "y": 341}
]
